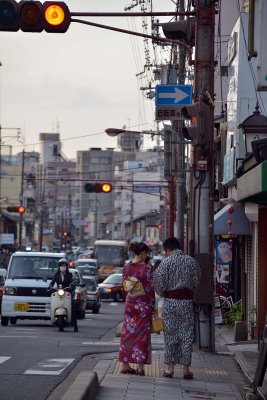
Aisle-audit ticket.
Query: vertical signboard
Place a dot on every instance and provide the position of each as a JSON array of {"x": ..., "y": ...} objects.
[{"x": 262, "y": 48}]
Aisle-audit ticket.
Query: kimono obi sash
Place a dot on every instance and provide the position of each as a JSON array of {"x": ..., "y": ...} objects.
[{"x": 179, "y": 294}]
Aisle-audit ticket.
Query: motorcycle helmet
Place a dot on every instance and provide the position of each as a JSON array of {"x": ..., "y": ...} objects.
[{"x": 63, "y": 261}]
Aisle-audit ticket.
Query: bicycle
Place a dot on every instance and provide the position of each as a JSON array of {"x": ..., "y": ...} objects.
[{"x": 226, "y": 303}]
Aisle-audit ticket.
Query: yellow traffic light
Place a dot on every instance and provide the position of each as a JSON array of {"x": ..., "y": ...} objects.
[
  {"x": 57, "y": 16},
  {"x": 54, "y": 14},
  {"x": 106, "y": 187},
  {"x": 21, "y": 209}
]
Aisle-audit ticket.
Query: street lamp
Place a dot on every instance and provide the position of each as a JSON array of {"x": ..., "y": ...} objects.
[
  {"x": 115, "y": 132},
  {"x": 255, "y": 130}
]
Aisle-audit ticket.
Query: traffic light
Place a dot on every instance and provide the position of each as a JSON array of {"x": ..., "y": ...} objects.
[
  {"x": 180, "y": 30},
  {"x": 199, "y": 115},
  {"x": 18, "y": 209},
  {"x": 33, "y": 16},
  {"x": 65, "y": 234},
  {"x": 98, "y": 187}
]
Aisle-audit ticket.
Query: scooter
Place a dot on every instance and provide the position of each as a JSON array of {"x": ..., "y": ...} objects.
[{"x": 61, "y": 307}]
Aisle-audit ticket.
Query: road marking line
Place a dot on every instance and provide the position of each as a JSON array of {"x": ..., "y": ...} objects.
[
  {"x": 3, "y": 359},
  {"x": 101, "y": 343},
  {"x": 17, "y": 336},
  {"x": 50, "y": 366}
]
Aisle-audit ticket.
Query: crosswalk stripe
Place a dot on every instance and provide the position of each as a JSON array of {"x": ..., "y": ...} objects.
[
  {"x": 50, "y": 366},
  {"x": 3, "y": 359}
]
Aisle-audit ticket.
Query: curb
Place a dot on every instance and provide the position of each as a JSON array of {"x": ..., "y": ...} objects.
[{"x": 85, "y": 387}]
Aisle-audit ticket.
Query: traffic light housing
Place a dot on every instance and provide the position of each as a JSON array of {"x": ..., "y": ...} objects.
[
  {"x": 98, "y": 187},
  {"x": 33, "y": 16},
  {"x": 180, "y": 30},
  {"x": 18, "y": 209},
  {"x": 199, "y": 130}
]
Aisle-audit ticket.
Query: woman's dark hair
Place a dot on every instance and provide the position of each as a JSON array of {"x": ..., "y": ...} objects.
[
  {"x": 138, "y": 247},
  {"x": 171, "y": 243}
]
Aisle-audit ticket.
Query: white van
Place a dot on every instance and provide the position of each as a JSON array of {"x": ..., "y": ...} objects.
[{"x": 25, "y": 292}]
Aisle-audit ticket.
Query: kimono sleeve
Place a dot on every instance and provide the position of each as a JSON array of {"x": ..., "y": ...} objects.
[{"x": 160, "y": 278}]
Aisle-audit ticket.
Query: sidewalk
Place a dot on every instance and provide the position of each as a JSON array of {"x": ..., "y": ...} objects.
[{"x": 216, "y": 375}]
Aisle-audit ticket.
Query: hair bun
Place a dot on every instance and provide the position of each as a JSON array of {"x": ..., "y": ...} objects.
[{"x": 133, "y": 246}]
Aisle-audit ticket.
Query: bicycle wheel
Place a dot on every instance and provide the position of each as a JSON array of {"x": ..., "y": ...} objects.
[{"x": 225, "y": 305}]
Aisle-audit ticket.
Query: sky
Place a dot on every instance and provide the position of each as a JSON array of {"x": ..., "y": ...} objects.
[{"x": 78, "y": 83}]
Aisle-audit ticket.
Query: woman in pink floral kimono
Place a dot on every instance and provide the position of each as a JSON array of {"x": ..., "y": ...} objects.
[{"x": 135, "y": 344}]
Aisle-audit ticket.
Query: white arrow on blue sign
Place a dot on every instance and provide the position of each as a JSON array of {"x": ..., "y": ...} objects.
[{"x": 173, "y": 95}]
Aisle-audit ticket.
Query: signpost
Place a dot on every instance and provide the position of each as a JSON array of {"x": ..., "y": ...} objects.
[
  {"x": 169, "y": 99},
  {"x": 173, "y": 95}
]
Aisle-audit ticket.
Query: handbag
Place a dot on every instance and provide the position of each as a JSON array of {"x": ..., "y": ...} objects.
[{"x": 157, "y": 325}]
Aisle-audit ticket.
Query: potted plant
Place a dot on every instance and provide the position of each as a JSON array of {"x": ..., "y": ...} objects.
[
  {"x": 234, "y": 318},
  {"x": 233, "y": 315},
  {"x": 254, "y": 332}
]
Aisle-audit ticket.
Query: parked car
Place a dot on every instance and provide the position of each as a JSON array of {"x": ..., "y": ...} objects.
[
  {"x": 80, "y": 293},
  {"x": 111, "y": 288},
  {"x": 93, "y": 296}
]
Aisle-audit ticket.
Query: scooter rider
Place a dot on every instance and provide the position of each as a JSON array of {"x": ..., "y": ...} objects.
[{"x": 64, "y": 278}]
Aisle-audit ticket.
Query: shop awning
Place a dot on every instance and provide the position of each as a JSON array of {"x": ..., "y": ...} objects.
[
  {"x": 240, "y": 223},
  {"x": 252, "y": 186}
]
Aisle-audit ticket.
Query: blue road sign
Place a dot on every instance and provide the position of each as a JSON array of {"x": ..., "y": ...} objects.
[
  {"x": 139, "y": 188},
  {"x": 173, "y": 95}
]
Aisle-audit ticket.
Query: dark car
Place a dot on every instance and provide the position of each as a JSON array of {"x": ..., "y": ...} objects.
[
  {"x": 111, "y": 288},
  {"x": 80, "y": 294},
  {"x": 93, "y": 296}
]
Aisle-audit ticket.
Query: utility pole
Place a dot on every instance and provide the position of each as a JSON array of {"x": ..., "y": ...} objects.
[
  {"x": 21, "y": 198},
  {"x": 202, "y": 193},
  {"x": 180, "y": 174}
]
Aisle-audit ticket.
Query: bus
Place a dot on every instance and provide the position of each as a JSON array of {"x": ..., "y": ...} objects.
[{"x": 111, "y": 256}]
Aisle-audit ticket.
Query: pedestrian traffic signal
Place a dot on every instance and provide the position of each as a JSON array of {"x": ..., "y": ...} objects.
[
  {"x": 199, "y": 115},
  {"x": 33, "y": 16},
  {"x": 18, "y": 209},
  {"x": 98, "y": 187}
]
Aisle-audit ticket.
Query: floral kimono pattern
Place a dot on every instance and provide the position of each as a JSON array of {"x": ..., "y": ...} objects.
[{"x": 135, "y": 343}]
